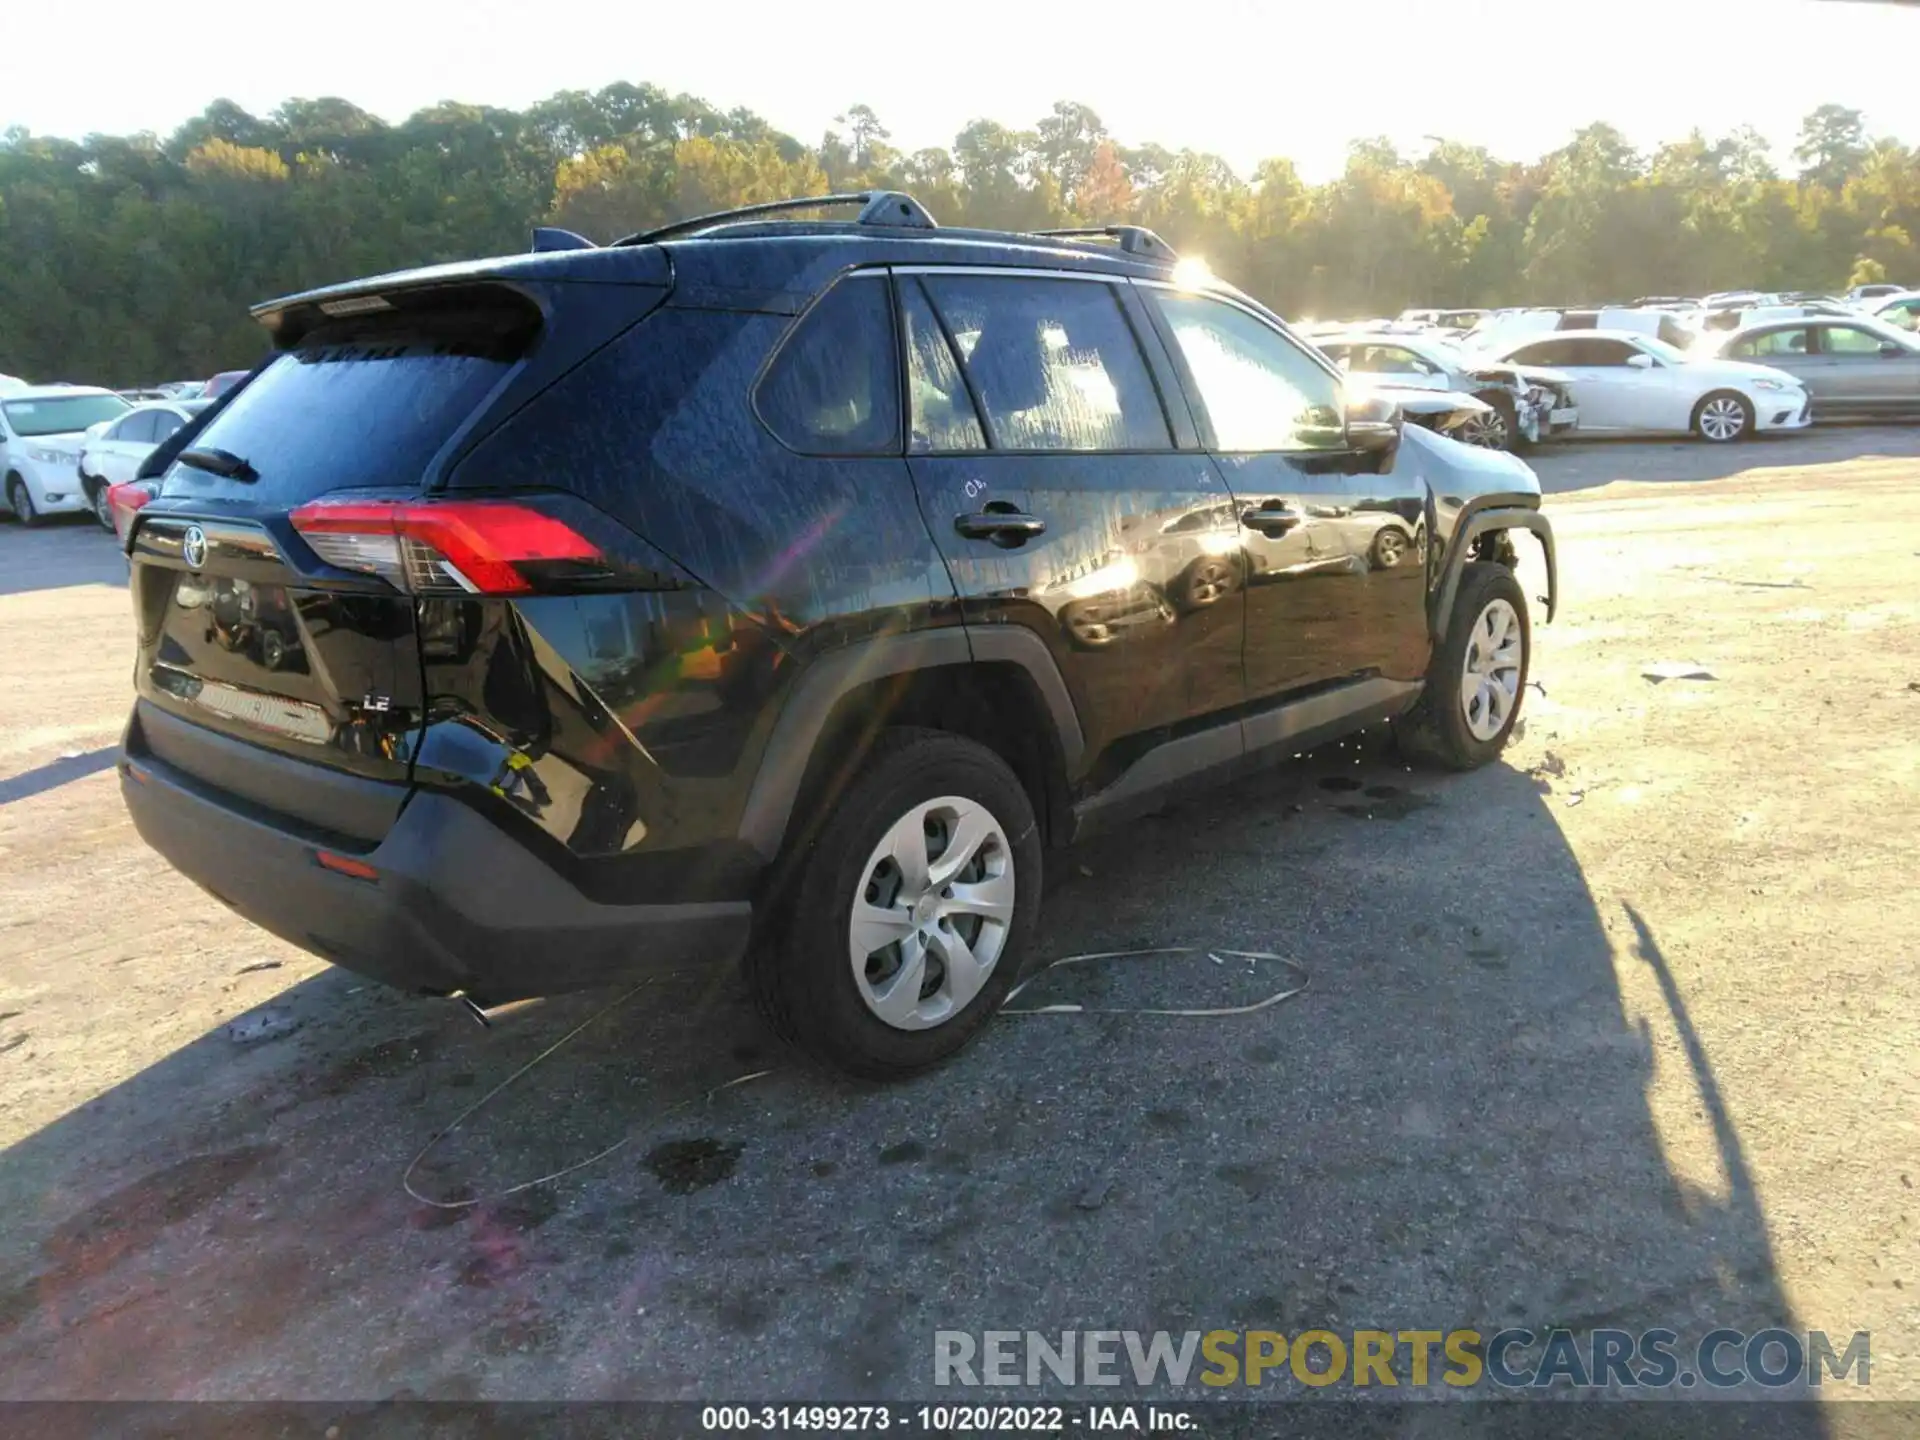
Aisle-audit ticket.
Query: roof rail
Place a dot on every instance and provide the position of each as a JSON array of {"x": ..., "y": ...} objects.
[
  {"x": 877, "y": 207},
  {"x": 1134, "y": 239}
]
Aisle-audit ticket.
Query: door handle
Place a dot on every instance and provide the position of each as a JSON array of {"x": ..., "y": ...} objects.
[
  {"x": 1271, "y": 520},
  {"x": 1006, "y": 528}
]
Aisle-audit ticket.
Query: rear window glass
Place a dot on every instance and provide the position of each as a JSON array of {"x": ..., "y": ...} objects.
[
  {"x": 834, "y": 386},
  {"x": 352, "y": 411}
]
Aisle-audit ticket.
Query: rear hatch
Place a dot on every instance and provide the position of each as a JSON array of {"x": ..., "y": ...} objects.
[{"x": 267, "y": 636}]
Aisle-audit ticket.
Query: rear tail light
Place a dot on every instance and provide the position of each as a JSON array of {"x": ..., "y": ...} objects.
[
  {"x": 123, "y": 500},
  {"x": 476, "y": 547}
]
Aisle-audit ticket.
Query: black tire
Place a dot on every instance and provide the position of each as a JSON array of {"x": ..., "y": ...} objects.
[
  {"x": 799, "y": 967},
  {"x": 1506, "y": 434},
  {"x": 1436, "y": 729},
  {"x": 1711, "y": 433},
  {"x": 1207, "y": 581},
  {"x": 20, "y": 500},
  {"x": 1390, "y": 548}
]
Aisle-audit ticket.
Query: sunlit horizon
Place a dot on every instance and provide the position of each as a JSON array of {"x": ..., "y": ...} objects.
[{"x": 1237, "y": 79}]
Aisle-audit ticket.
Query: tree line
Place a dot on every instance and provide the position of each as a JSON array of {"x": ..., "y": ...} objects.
[{"x": 133, "y": 259}]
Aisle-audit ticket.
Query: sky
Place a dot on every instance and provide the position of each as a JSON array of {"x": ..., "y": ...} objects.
[{"x": 1299, "y": 78}]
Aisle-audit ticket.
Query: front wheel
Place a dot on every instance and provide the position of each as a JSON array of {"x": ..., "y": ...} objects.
[
  {"x": 1477, "y": 676},
  {"x": 1495, "y": 429},
  {"x": 1723, "y": 417},
  {"x": 905, "y": 920},
  {"x": 22, "y": 502}
]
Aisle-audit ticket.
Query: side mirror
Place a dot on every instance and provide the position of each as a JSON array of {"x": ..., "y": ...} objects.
[
  {"x": 97, "y": 429},
  {"x": 1373, "y": 432},
  {"x": 1891, "y": 351},
  {"x": 1640, "y": 361}
]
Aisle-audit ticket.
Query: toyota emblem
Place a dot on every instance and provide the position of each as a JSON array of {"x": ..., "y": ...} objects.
[{"x": 193, "y": 547}]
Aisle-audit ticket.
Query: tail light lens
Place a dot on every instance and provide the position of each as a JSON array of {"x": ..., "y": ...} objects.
[
  {"x": 123, "y": 500},
  {"x": 474, "y": 547}
]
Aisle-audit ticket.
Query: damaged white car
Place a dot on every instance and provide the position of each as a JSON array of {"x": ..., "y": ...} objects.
[{"x": 1524, "y": 404}]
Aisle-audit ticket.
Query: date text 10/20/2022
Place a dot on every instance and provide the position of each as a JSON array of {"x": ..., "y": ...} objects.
[{"x": 949, "y": 1419}]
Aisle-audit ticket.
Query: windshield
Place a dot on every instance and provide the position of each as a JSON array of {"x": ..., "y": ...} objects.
[{"x": 62, "y": 414}]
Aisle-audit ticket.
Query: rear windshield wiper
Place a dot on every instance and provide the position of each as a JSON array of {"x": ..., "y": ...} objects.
[{"x": 220, "y": 462}]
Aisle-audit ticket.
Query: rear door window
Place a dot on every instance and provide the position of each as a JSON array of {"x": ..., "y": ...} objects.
[
  {"x": 1054, "y": 363},
  {"x": 1771, "y": 342},
  {"x": 135, "y": 429},
  {"x": 942, "y": 415},
  {"x": 833, "y": 387}
]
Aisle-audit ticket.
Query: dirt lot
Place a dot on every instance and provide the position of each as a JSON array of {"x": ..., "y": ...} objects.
[{"x": 1621, "y": 1032}]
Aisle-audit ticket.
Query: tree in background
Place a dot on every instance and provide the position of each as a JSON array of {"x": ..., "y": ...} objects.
[{"x": 133, "y": 258}]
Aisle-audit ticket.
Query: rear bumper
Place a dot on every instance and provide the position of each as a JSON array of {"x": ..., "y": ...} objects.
[{"x": 457, "y": 903}]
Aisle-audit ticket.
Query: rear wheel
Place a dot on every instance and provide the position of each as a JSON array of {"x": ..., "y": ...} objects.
[
  {"x": 21, "y": 501},
  {"x": 102, "y": 510},
  {"x": 1477, "y": 676},
  {"x": 901, "y": 929},
  {"x": 1723, "y": 417}
]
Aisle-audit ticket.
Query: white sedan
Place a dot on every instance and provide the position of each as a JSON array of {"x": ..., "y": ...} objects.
[
  {"x": 1639, "y": 384},
  {"x": 112, "y": 453},
  {"x": 41, "y": 430}
]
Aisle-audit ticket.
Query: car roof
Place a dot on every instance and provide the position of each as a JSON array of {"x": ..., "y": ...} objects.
[
  {"x": 1541, "y": 336},
  {"x": 1872, "y": 324},
  {"x": 768, "y": 265}
]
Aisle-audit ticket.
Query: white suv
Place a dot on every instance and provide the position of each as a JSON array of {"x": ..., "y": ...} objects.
[{"x": 41, "y": 430}]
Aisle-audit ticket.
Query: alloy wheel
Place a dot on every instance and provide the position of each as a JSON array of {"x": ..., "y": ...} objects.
[
  {"x": 1488, "y": 431},
  {"x": 1490, "y": 676},
  {"x": 1723, "y": 418},
  {"x": 932, "y": 913}
]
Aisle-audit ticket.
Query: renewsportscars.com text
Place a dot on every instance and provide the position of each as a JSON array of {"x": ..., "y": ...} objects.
[{"x": 1512, "y": 1359}]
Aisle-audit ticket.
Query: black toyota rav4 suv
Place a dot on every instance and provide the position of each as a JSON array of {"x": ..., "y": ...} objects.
[{"x": 778, "y": 590}]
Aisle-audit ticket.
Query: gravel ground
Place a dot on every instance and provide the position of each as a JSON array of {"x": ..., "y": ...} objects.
[{"x": 1620, "y": 1032}]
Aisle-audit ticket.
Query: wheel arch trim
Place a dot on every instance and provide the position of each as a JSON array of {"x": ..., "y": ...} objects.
[
  {"x": 1488, "y": 517},
  {"x": 809, "y": 709}
]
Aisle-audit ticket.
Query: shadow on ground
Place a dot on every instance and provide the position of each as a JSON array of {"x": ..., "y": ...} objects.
[
  {"x": 1449, "y": 1128},
  {"x": 60, "y": 551},
  {"x": 1589, "y": 461}
]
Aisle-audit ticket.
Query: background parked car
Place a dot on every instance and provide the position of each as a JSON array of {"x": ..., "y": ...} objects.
[
  {"x": 221, "y": 383},
  {"x": 1857, "y": 368},
  {"x": 1523, "y": 403},
  {"x": 1638, "y": 384},
  {"x": 1902, "y": 309},
  {"x": 111, "y": 453},
  {"x": 1876, "y": 291},
  {"x": 41, "y": 428},
  {"x": 1503, "y": 330}
]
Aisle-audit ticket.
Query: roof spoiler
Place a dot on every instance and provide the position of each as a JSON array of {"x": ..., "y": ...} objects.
[{"x": 547, "y": 237}]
